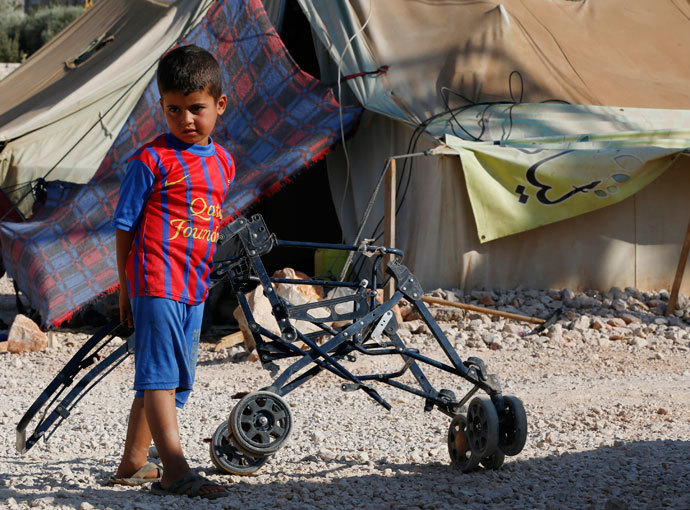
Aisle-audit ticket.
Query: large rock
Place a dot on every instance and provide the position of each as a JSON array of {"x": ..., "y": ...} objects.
[
  {"x": 25, "y": 336},
  {"x": 262, "y": 311}
]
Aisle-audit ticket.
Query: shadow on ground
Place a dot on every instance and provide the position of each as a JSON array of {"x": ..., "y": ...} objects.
[{"x": 645, "y": 474}]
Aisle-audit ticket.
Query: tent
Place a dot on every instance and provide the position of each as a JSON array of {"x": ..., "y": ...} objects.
[
  {"x": 279, "y": 120},
  {"x": 476, "y": 85},
  {"x": 63, "y": 108}
]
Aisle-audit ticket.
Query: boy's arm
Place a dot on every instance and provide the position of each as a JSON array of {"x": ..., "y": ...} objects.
[{"x": 123, "y": 243}]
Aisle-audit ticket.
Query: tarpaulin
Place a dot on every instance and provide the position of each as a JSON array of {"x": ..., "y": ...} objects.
[
  {"x": 524, "y": 184},
  {"x": 278, "y": 120}
]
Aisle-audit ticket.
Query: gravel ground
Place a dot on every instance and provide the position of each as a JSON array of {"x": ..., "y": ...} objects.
[{"x": 607, "y": 402}]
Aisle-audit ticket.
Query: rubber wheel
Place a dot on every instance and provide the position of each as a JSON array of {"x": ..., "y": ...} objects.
[
  {"x": 226, "y": 457},
  {"x": 513, "y": 426},
  {"x": 461, "y": 457},
  {"x": 260, "y": 423},
  {"x": 493, "y": 461},
  {"x": 482, "y": 427}
]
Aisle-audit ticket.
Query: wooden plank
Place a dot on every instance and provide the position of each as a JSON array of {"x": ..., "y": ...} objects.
[
  {"x": 389, "y": 222},
  {"x": 229, "y": 341},
  {"x": 480, "y": 309},
  {"x": 677, "y": 280}
]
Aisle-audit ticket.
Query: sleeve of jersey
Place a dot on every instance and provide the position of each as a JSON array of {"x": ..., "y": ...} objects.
[{"x": 134, "y": 191}]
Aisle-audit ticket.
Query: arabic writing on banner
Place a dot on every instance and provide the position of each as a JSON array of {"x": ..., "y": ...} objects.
[{"x": 523, "y": 184}]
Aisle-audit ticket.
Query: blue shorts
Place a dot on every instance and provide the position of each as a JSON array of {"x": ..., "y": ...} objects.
[{"x": 166, "y": 345}]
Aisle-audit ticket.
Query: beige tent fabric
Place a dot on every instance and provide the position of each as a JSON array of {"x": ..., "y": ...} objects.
[
  {"x": 53, "y": 109},
  {"x": 620, "y": 62},
  {"x": 628, "y": 53},
  {"x": 633, "y": 243}
]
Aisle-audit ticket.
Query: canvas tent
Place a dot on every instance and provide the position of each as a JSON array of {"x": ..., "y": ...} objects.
[
  {"x": 522, "y": 76},
  {"x": 62, "y": 109},
  {"x": 278, "y": 121}
]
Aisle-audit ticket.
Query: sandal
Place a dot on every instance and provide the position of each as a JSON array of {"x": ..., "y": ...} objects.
[
  {"x": 139, "y": 478},
  {"x": 189, "y": 485}
]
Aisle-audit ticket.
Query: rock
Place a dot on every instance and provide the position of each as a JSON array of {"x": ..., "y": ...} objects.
[
  {"x": 555, "y": 330},
  {"x": 452, "y": 296},
  {"x": 582, "y": 323},
  {"x": 513, "y": 328},
  {"x": 587, "y": 302},
  {"x": 409, "y": 313},
  {"x": 25, "y": 336},
  {"x": 439, "y": 293},
  {"x": 629, "y": 318},
  {"x": 310, "y": 293},
  {"x": 619, "y": 304},
  {"x": 598, "y": 324},
  {"x": 616, "y": 322},
  {"x": 617, "y": 293},
  {"x": 638, "y": 342},
  {"x": 43, "y": 502},
  {"x": 604, "y": 342},
  {"x": 567, "y": 295},
  {"x": 326, "y": 455},
  {"x": 487, "y": 301},
  {"x": 447, "y": 314}
]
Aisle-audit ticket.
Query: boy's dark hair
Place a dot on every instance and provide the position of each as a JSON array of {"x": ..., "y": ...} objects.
[{"x": 187, "y": 69}]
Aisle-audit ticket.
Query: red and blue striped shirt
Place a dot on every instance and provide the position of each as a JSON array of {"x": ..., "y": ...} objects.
[{"x": 171, "y": 198}]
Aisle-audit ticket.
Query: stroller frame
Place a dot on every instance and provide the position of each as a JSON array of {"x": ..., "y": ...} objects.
[
  {"x": 243, "y": 270},
  {"x": 482, "y": 432},
  {"x": 261, "y": 421}
]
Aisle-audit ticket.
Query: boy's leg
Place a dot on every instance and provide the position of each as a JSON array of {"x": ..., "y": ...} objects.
[
  {"x": 161, "y": 414},
  {"x": 137, "y": 442}
]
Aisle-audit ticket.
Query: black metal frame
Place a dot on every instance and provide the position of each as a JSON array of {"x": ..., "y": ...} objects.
[
  {"x": 370, "y": 329},
  {"x": 367, "y": 320},
  {"x": 54, "y": 412}
]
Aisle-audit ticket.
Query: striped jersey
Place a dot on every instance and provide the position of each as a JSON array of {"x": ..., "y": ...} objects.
[{"x": 171, "y": 198}]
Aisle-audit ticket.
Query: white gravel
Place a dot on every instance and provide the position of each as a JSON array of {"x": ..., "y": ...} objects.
[{"x": 607, "y": 404}]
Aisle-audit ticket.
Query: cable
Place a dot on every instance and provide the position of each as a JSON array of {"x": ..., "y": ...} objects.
[
  {"x": 406, "y": 172},
  {"x": 340, "y": 110}
]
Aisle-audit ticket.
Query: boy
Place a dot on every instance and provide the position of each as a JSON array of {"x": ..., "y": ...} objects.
[{"x": 167, "y": 222}]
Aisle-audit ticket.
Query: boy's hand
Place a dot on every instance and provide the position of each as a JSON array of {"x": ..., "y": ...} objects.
[
  {"x": 125, "y": 309},
  {"x": 123, "y": 243}
]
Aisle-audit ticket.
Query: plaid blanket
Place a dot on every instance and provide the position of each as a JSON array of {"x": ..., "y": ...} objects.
[{"x": 279, "y": 119}]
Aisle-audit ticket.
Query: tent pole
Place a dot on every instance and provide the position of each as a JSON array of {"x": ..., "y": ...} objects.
[
  {"x": 673, "y": 300},
  {"x": 389, "y": 222}
]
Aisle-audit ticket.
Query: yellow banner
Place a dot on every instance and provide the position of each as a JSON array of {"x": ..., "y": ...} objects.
[{"x": 523, "y": 184}]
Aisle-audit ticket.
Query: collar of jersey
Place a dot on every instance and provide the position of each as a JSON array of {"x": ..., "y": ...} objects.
[{"x": 199, "y": 150}]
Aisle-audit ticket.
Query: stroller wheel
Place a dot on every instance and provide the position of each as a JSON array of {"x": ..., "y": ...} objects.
[
  {"x": 493, "y": 461},
  {"x": 260, "y": 423},
  {"x": 513, "y": 426},
  {"x": 461, "y": 457},
  {"x": 482, "y": 427},
  {"x": 226, "y": 457}
]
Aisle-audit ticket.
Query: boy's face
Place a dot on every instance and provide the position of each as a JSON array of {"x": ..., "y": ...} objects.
[{"x": 191, "y": 117}]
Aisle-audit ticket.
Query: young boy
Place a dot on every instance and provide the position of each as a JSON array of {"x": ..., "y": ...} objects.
[{"x": 167, "y": 222}]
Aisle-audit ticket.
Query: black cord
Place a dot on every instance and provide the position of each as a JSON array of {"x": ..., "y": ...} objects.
[{"x": 445, "y": 92}]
